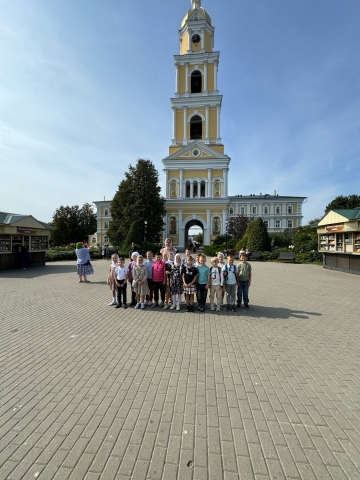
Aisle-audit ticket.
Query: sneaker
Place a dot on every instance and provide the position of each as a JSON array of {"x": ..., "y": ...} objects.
[
  {"x": 149, "y": 302},
  {"x": 191, "y": 308},
  {"x": 218, "y": 308},
  {"x": 213, "y": 308},
  {"x": 118, "y": 305},
  {"x": 137, "y": 305},
  {"x": 238, "y": 305},
  {"x": 187, "y": 309},
  {"x": 166, "y": 305},
  {"x": 227, "y": 308},
  {"x": 177, "y": 307},
  {"x": 156, "y": 304},
  {"x": 247, "y": 307},
  {"x": 162, "y": 305},
  {"x": 112, "y": 303},
  {"x": 173, "y": 306},
  {"x": 143, "y": 305},
  {"x": 233, "y": 308},
  {"x": 125, "y": 306}
]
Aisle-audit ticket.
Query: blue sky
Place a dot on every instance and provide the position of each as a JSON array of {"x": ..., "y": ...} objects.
[{"x": 85, "y": 88}]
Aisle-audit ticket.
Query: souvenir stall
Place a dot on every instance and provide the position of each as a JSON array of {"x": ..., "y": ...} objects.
[
  {"x": 339, "y": 240},
  {"x": 22, "y": 237}
]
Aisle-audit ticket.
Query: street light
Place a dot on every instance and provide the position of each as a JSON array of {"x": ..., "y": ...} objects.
[
  {"x": 145, "y": 222},
  {"x": 227, "y": 223}
]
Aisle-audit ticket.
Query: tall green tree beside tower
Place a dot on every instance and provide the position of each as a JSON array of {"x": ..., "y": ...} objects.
[{"x": 137, "y": 199}]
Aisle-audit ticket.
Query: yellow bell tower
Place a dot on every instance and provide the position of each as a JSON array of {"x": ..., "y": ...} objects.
[{"x": 196, "y": 170}]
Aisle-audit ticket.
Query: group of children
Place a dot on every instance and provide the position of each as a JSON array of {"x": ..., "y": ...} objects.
[{"x": 165, "y": 279}]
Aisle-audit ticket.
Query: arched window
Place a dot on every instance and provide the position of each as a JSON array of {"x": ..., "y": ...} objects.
[
  {"x": 195, "y": 128},
  {"x": 196, "y": 82},
  {"x": 202, "y": 189},
  {"x": 173, "y": 189},
  {"x": 172, "y": 225},
  {"x": 187, "y": 189},
  {"x": 106, "y": 212},
  {"x": 216, "y": 226},
  {"x": 217, "y": 188},
  {"x": 196, "y": 189}
]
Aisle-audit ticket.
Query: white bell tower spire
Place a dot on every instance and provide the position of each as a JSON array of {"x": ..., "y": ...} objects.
[{"x": 196, "y": 4}]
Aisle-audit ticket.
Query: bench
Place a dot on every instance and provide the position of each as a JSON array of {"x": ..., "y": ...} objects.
[
  {"x": 286, "y": 256},
  {"x": 255, "y": 256}
]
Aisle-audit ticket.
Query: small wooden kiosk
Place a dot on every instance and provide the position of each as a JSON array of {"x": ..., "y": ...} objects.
[
  {"x": 339, "y": 240},
  {"x": 18, "y": 231}
]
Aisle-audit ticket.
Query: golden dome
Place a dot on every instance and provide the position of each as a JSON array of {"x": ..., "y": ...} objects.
[{"x": 201, "y": 10}]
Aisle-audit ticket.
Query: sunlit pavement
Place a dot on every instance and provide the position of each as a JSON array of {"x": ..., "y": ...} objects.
[{"x": 89, "y": 391}]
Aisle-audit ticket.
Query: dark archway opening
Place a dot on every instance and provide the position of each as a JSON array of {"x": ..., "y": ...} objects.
[
  {"x": 195, "y": 128},
  {"x": 193, "y": 230},
  {"x": 196, "y": 82}
]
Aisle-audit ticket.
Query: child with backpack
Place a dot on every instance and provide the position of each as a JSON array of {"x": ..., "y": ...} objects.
[
  {"x": 216, "y": 286},
  {"x": 231, "y": 278}
]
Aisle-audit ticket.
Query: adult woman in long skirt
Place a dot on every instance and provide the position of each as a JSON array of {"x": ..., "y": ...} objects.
[{"x": 84, "y": 267}]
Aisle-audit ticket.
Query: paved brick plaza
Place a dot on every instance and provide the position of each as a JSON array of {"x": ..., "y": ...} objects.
[{"x": 89, "y": 391}]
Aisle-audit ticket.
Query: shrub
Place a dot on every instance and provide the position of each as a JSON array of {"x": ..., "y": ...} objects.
[
  {"x": 212, "y": 250},
  {"x": 258, "y": 237}
]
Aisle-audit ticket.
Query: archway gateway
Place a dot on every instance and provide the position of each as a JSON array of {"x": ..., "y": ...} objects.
[{"x": 192, "y": 223}]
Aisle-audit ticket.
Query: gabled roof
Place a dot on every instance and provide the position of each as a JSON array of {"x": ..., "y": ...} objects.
[
  {"x": 340, "y": 215},
  {"x": 10, "y": 218},
  {"x": 350, "y": 213}
]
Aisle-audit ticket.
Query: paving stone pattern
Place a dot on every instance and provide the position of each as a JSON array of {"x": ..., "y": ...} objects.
[{"x": 93, "y": 392}]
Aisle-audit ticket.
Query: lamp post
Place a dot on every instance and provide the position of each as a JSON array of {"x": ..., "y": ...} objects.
[
  {"x": 145, "y": 223},
  {"x": 227, "y": 224}
]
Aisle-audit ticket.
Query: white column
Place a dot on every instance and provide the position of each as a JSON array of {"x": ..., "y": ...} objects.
[
  {"x": 216, "y": 63},
  {"x": 218, "y": 122},
  {"x": 189, "y": 40},
  {"x": 205, "y": 76},
  {"x": 225, "y": 184},
  {"x": 174, "y": 109},
  {"x": 166, "y": 183},
  {"x": 185, "y": 125},
  {"x": 207, "y": 123},
  {"x": 224, "y": 221},
  {"x": 203, "y": 37},
  {"x": 187, "y": 77},
  {"x": 181, "y": 187},
  {"x": 177, "y": 77},
  {"x": 208, "y": 230},
  {"x": 237, "y": 209},
  {"x": 210, "y": 193},
  {"x": 191, "y": 188}
]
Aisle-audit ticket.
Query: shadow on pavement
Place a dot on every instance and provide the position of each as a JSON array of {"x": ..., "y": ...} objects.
[{"x": 35, "y": 272}]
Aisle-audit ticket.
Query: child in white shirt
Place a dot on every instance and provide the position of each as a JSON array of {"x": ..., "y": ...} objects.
[
  {"x": 216, "y": 286},
  {"x": 121, "y": 275}
]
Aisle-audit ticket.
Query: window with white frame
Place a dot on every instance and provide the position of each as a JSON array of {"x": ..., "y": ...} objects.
[
  {"x": 253, "y": 210},
  {"x": 106, "y": 212},
  {"x": 242, "y": 210},
  {"x": 106, "y": 239},
  {"x": 266, "y": 210},
  {"x": 231, "y": 211},
  {"x": 289, "y": 224},
  {"x": 93, "y": 240},
  {"x": 290, "y": 209},
  {"x": 277, "y": 223},
  {"x": 277, "y": 210},
  {"x": 106, "y": 224},
  {"x": 266, "y": 223}
]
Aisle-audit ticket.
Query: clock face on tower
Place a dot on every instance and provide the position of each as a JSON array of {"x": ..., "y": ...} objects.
[{"x": 196, "y": 38}]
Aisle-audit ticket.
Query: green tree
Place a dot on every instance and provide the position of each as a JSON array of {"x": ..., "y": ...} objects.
[
  {"x": 72, "y": 224},
  {"x": 350, "y": 201},
  {"x": 137, "y": 199},
  {"x": 258, "y": 237},
  {"x": 237, "y": 225},
  {"x": 305, "y": 239},
  {"x": 199, "y": 238},
  {"x": 282, "y": 239}
]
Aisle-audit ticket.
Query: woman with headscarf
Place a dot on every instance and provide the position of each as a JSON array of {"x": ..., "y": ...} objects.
[{"x": 84, "y": 267}]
